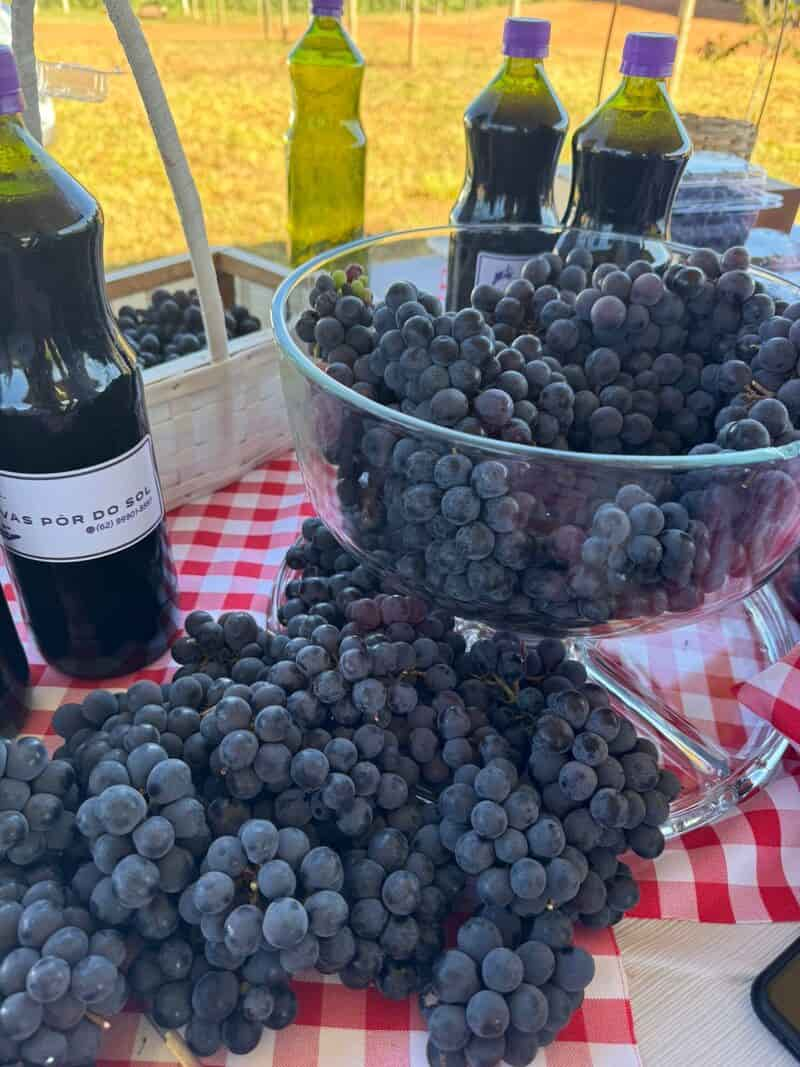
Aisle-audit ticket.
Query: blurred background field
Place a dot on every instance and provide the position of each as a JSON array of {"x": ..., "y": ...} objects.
[{"x": 229, "y": 90}]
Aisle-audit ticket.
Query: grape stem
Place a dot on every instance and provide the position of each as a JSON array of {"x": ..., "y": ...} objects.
[
  {"x": 755, "y": 391},
  {"x": 98, "y": 1020},
  {"x": 509, "y": 693},
  {"x": 176, "y": 1045}
]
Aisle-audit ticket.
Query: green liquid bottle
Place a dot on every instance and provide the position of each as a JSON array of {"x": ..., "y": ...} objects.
[
  {"x": 326, "y": 148},
  {"x": 514, "y": 132},
  {"x": 629, "y": 154}
]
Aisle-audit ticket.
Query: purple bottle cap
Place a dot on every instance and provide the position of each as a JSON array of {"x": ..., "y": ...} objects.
[
  {"x": 327, "y": 7},
  {"x": 649, "y": 55},
  {"x": 526, "y": 38},
  {"x": 11, "y": 102}
]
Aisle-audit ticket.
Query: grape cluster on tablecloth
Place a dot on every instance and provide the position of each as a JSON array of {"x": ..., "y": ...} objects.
[
  {"x": 576, "y": 357},
  {"x": 320, "y": 797}
]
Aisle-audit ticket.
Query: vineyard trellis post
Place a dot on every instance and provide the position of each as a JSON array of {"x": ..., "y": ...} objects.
[
  {"x": 413, "y": 35},
  {"x": 685, "y": 16},
  {"x": 352, "y": 17}
]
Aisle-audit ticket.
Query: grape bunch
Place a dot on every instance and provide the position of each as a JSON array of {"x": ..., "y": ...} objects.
[
  {"x": 339, "y": 324},
  {"x": 38, "y": 801},
  {"x": 61, "y": 969},
  {"x": 489, "y": 1002},
  {"x": 217, "y": 1006},
  {"x": 172, "y": 326},
  {"x": 138, "y": 819},
  {"x": 319, "y": 796},
  {"x": 548, "y": 832},
  {"x": 329, "y": 578},
  {"x": 225, "y": 973},
  {"x": 61, "y": 978},
  {"x": 401, "y": 889}
]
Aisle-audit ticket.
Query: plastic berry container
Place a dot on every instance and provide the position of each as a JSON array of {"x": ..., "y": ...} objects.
[
  {"x": 743, "y": 507},
  {"x": 718, "y": 201}
]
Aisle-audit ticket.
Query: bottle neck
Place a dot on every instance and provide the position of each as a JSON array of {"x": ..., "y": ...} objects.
[
  {"x": 521, "y": 68},
  {"x": 638, "y": 92}
]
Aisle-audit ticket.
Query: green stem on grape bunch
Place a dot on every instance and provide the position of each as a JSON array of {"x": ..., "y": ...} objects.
[{"x": 509, "y": 693}]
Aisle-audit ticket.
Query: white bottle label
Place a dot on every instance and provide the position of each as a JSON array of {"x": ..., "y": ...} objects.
[
  {"x": 498, "y": 270},
  {"x": 84, "y": 514}
]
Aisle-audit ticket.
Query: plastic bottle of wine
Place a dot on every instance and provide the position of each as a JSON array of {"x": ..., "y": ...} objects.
[
  {"x": 326, "y": 148},
  {"x": 14, "y": 674},
  {"x": 514, "y": 130},
  {"x": 629, "y": 154},
  {"x": 81, "y": 510}
]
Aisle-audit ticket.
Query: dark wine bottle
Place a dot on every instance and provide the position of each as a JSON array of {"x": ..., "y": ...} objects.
[
  {"x": 81, "y": 510},
  {"x": 514, "y": 130},
  {"x": 629, "y": 154},
  {"x": 14, "y": 674}
]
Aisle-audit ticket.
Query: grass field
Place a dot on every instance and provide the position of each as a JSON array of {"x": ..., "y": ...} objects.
[{"x": 230, "y": 94}]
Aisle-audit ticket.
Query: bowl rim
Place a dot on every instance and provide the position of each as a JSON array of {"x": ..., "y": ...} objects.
[{"x": 507, "y": 449}]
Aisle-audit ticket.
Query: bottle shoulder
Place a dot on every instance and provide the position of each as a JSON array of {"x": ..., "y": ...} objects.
[
  {"x": 639, "y": 131},
  {"x": 325, "y": 43},
  {"x": 636, "y": 122},
  {"x": 515, "y": 110},
  {"x": 36, "y": 194}
]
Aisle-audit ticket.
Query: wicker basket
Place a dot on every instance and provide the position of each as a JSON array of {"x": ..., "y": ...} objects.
[
  {"x": 713, "y": 133},
  {"x": 214, "y": 414},
  {"x": 212, "y": 421}
]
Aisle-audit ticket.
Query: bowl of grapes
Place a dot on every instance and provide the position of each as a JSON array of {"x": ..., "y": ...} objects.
[{"x": 560, "y": 435}]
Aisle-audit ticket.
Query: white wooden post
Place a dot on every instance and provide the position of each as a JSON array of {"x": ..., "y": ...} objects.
[
  {"x": 176, "y": 166},
  {"x": 685, "y": 16},
  {"x": 265, "y": 15},
  {"x": 285, "y": 20},
  {"x": 22, "y": 37},
  {"x": 413, "y": 35},
  {"x": 352, "y": 16}
]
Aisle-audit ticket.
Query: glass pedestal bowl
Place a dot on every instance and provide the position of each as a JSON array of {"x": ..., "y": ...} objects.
[{"x": 734, "y": 519}]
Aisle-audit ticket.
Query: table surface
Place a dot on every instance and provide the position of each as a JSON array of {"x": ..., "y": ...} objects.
[
  {"x": 689, "y": 986},
  {"x": 228, "y": 549}
]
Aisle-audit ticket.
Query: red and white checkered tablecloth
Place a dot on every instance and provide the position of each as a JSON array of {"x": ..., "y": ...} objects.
[
  {"x": 746, "y": 866},
  {"x": 228, "y": 549}
]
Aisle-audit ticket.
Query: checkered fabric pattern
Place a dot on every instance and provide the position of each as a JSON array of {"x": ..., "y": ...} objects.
[
  {"x": 774, "y": 694},
  {"x": 746, "y": 866},
  {"x": 228, "y": 549}
]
